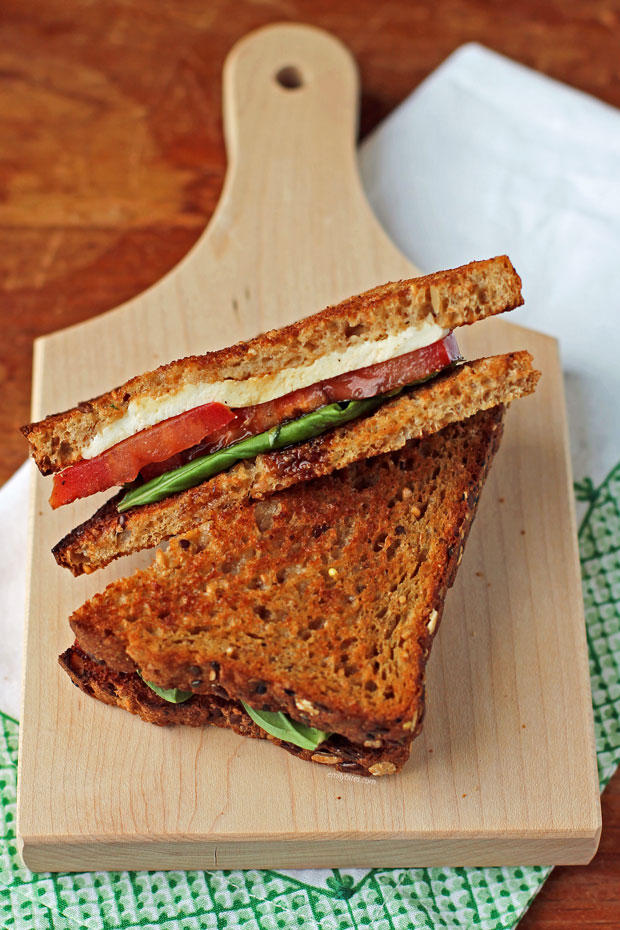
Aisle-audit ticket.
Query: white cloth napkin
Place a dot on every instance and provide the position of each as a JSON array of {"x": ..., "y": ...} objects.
[
  {"x": 487, "y": 157},
  {"x": 13, "y": 534},
  {"x": 484, "y": 157}
]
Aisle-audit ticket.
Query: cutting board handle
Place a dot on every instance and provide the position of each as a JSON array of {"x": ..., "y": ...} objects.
[
  {"x": 302, "y": 84},
  {"x": 293, "y": 206}
]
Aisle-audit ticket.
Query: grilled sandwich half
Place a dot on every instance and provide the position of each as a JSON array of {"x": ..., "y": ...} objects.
[
  {"x": 306, "y": 618},
  {"x": 353, "y": 381}
]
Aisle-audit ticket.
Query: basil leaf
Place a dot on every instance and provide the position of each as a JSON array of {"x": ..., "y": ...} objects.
[
  {"x": 299, "y": 430},
  {"x": 282, "y": 727},
  {"x": 174, "y": 695}
]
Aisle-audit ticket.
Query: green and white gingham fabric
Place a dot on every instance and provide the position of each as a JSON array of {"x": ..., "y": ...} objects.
[
  {"x": 484, "y": 157},
  {"x": 381, "y": 899}
]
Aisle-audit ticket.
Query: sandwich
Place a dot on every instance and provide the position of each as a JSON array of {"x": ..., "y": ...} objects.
[
  {"x": 204, "y": 433},
  {"x": 305, "y": 618}
]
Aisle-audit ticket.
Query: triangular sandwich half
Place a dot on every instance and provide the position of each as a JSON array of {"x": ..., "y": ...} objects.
[
  {"x": 201, "y": 433},
  {"x": 306, "y": 618}
]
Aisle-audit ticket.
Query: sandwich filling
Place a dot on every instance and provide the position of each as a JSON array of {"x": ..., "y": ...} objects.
[
  {"x": 273, "y": 722},
  {"x": 145, "y": 411},
  {"x": 185, "y": 449}
]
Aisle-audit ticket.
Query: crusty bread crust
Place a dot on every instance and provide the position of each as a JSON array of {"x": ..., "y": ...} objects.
[
  {"x": 321, "y": 601},
  {"x": 129, "y": 692},
  {"x": 451, "y": 298},
  {"x": 424, "y": 410}
]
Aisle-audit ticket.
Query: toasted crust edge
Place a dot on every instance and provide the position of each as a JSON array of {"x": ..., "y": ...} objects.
[
  {"x": 455, "y": 297},
  {"x": 129, "y": 692}
]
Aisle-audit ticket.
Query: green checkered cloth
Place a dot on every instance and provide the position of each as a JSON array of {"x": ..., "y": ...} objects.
[{"x": 383, "y": 899}]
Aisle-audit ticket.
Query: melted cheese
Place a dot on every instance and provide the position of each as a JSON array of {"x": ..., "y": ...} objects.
[{"x": 146, "y": 411}]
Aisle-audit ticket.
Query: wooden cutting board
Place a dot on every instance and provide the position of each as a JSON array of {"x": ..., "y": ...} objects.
[{"x": 504, "y": 772}]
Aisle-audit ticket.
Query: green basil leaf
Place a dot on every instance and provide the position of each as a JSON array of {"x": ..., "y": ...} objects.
[
  {"x": 299, "y": 430},
  {"x": 282, "y": 727},
  {"x": 174, "y": 695}
]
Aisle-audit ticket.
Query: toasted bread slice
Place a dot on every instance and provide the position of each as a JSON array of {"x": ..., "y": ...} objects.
[
  {"x": 448, "y": 298},
  {"x": 129, "y": 692},
  {"x": 454, "y": 396},
  {"x": 321, "y": 602}
]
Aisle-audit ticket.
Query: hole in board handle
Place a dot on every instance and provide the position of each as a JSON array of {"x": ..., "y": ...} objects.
[{"x": 289, "y": 77}]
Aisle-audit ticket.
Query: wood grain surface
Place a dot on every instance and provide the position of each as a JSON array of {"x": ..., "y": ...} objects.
[
  {"x": 112, "y": 160},
  {"x": 512, "y": 776}
]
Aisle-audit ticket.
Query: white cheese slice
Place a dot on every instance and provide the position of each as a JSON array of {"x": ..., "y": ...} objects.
[{"x": 143, "y": 412}]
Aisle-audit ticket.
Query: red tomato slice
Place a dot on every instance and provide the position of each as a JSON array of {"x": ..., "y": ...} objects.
[
  {"x": 395, "y": 373},
  {"x": 123, "y": 462}
]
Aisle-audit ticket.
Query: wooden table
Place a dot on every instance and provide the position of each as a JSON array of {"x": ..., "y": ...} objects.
[{"x": 112, "y": 160}]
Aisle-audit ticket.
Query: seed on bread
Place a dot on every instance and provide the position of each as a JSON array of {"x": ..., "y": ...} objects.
[
  {"x": 382, "y": 768},
  {"x": 306, "y": 707},
  {"x": 433, "y": 617},
  {"x": 410, "y": 724},
  {"x": 325, "y": 759}
]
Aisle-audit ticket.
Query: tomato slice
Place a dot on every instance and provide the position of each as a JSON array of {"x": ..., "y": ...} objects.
[
  {"x": 395, "y": 373},
  {"x": 123, "y": 462},
  {"x": 355, "y": 385}
]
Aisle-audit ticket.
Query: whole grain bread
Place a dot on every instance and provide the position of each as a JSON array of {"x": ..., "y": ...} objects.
[
  {"x": 421, "y": 411},
  {"x": 321, "y": 602},
  {"x": 129, "y": 692},
  {"x": 451, "y": 298}
]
